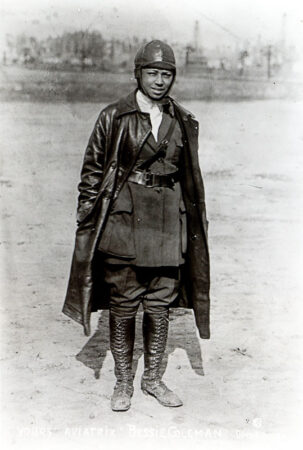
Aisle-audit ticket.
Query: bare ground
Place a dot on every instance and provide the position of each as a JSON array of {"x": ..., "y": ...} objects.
[{"x": 241, "y": 389}]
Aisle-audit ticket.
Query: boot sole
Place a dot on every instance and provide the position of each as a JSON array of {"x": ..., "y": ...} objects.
[
  {"x": 121, "y": 410},
  {"x": 126, "y": 408}
]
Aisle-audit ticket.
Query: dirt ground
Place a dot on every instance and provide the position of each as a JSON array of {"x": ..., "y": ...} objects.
[{"x": 242, "y": 388}]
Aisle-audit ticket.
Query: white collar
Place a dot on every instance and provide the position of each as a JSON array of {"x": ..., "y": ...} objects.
[{"x": 145, "y": 103}]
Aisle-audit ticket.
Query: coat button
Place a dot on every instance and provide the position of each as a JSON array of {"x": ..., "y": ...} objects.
[
  {"x": 113, "y": 164},
  {"x": 194, "y": 237}
]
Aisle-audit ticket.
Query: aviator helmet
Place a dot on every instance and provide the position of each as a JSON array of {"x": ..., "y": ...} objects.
[{"x": 155, "y": 54}]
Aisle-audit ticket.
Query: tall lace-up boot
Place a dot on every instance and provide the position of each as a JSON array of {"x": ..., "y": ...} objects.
[
  {"x": 122, "y": 336},
  {"x": 155, "y": 329}
]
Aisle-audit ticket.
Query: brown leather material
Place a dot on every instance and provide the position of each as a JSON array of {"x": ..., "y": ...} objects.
[
  {"x": 155, "y": 329},
  {"x": 149, "y": 179},
  {"x": 155, "y": 54},
  {"x": 122, "y": 336},
  {"x": 113, "y": 148}
]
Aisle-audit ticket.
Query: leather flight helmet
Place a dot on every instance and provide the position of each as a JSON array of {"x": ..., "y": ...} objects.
[{"x": 156, "y": 54}]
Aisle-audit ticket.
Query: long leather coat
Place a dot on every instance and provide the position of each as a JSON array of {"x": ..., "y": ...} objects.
[{"x": 117, "y": 138}]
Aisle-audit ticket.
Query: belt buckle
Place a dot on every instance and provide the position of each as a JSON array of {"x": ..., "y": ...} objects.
[{"x": 148, "y": 178}]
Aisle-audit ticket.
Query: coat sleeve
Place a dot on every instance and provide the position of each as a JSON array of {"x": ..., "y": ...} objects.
[{"x": 92, "y": 168}]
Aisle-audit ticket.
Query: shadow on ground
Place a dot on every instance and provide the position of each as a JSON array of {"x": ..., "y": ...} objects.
[{"x": 181, "y": 335}]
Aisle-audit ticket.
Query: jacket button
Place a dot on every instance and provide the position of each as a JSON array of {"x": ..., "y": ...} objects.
[
  {"x": 194, "y": 203},
  {"x": 194, "y": 237},
  {"x": 113, "y": 164}
]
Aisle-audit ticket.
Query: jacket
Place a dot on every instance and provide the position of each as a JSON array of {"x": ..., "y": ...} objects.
[{"x": 110, "y": 156}]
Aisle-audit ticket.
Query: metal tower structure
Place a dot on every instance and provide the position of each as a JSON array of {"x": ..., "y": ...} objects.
[{"x": 197, "y": 41}]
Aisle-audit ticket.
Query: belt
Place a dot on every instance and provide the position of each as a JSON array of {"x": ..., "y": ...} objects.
[{"x": 149, "y": 179}]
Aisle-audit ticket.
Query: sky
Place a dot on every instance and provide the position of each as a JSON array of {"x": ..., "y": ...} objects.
[{"x": 220, "y": 21}]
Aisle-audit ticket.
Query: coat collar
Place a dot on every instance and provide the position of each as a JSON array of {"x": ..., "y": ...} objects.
[{"x": 128, "y": 105}]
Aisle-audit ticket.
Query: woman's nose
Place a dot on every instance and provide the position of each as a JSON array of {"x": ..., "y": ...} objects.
[{"x": 159, "y": 79}]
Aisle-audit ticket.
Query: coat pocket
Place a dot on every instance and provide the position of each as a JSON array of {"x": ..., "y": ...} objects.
[{"x": 118, "y": 235}]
